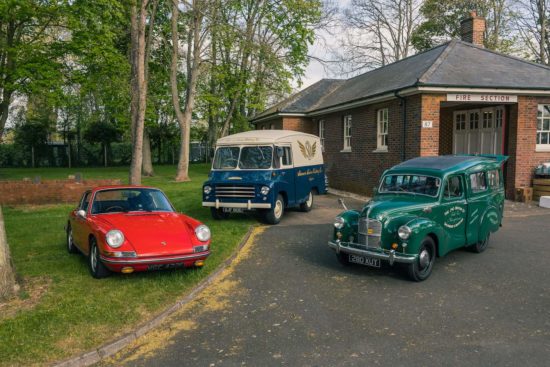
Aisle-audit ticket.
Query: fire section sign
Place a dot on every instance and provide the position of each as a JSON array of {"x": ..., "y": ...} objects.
[{"x": 487, "y": 98}]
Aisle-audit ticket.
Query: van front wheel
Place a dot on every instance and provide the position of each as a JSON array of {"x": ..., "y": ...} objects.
[
  {"x": 274, "y": 215},
  {"x": 308, "y": 204}
]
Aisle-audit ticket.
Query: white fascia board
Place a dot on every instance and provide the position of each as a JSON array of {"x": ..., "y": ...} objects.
[
  {"x": 283, "y": 114},
  {"x": 524, "y": 92}
]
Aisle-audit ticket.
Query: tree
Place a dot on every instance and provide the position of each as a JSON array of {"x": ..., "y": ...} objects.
[
  {"x": 533, "y": 26},
  {"x": 442, "y": 23},
  {"x": 32, "y": 134},
  {"x": 8, "y": 287},
  {"x": 378, "y": 32},
  {"x": 102, "y": 132}
]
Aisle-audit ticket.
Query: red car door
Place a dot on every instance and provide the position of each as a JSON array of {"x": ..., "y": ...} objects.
[{"x": 79, "y": 224}]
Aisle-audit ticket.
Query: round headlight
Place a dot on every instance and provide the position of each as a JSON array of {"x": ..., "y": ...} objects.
[
  {"x": 114, "y": 238},
  {"x": 339, "y": 222},
  {"x": 203, "y": 233},
  {"x": 264, "y": 190},
  {"x": 404, "y": 232},
  {"x": 207, "y": 189}
]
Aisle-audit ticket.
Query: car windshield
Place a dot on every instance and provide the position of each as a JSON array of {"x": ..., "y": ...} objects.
[
  {"x": 410, "y": 184},
  {"x": 249, "y": 157},
  {"x": 130, "y": 200}
]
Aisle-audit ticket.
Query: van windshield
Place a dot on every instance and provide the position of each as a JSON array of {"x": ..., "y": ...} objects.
[
  {"x": 410, "y": 184},
  {"x": 249, "y": 157}
]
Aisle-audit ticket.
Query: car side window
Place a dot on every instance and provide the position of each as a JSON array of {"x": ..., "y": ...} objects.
[
  {"x": 493, "y": 178},
  {"x": 85, "y": 201},
  {"x": 286, "y": 159},
  {"x": 478, "y": 182},
  {"x": 453, "y": 188}
]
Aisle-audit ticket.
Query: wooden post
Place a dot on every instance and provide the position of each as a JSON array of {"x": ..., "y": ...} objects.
[{"x": 7, "y": 277}]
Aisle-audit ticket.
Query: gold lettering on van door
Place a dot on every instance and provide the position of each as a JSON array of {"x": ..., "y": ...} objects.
[
  {"x": 308, "y": 150},
  {"x": 308, "y": 172}
]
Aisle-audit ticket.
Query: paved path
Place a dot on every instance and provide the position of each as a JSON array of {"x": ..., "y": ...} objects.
[{"x": 287, "y": 302}]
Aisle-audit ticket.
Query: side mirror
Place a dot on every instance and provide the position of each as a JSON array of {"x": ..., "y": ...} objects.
[
  {"x": 374, "y": 190},
  {"x": 341, "y": 202},
  {"x": 81, "y": 213}
]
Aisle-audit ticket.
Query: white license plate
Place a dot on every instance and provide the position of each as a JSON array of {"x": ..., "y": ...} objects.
[
  {"x": 233, "y": 210},
  {"x": 364, "y": 260}
]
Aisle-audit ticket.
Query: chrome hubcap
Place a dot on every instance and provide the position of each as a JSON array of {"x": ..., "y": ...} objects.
[
  {"x": 278, "y": 208},
  {"x": 309, "y": 199},
  {"x": 424, "y": 258}
]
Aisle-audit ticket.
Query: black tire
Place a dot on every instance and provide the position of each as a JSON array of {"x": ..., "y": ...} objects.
[
  {"x": 97, "y": 268},
  {"x": 219, "y": 214},
  {"x": 422, "y": 268},
  {"x": 308, "y": 204},
  {"x": 343, "y": 259},
  {"x": 481, "y": 246},
  {"x": 71, "y": 248},
  {"x": 274, "y": 215}
]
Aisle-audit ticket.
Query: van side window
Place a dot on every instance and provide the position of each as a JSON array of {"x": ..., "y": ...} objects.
[
  {"x": 493, "y": 177},
  {"x": 287, "y": 156},
  {"x": 478, "y": 182},
  {"x": 453, "y": 189}
]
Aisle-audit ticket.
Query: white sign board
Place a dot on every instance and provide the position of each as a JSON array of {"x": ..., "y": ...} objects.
[
  {"x": 486, "y": 98},
  {"x": 427, "y": 124}
]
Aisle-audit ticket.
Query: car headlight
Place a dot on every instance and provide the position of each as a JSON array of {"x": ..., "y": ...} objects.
[
  {"x": 203, "y": 233},
  {"x": 207, "y": 189},
  {"x": 404, "y": 232},
  {"x": 265, "y": 190},
  {"x": 114, "y": 238},
  {"x": 339, "y": 222}
]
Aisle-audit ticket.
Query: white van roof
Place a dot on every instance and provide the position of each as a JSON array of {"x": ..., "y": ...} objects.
[{"x": 263, "y": 137}]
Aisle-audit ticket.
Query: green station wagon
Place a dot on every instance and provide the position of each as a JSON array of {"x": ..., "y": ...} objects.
[{"x": 424, "y": 208}]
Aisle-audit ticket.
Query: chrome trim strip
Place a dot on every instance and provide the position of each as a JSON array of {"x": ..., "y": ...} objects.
[
  {"x": 248, "y": 205},
  {"x": 389, "y": 255},
  {"x": 110, "y": 260}
]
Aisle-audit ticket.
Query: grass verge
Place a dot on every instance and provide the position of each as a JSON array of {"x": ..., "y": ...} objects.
[{"x": 76, "y": 312}]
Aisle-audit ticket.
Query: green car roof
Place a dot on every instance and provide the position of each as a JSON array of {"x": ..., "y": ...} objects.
[{"x": 443, "y": 165}]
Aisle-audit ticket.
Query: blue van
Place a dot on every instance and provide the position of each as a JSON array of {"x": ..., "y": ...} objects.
[{"x": 266, "y": 171}]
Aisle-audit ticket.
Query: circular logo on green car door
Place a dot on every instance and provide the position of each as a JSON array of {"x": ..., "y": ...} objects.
[{"x": 454, "y": 216}]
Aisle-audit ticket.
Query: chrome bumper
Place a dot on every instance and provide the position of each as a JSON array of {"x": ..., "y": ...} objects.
[
  {"x": 248, "y": 205},
  {"x": 389, "y": 255},
  {"x": 110, "y": 260}
]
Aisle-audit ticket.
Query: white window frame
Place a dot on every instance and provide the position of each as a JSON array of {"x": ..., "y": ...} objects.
[
  {"x": 321, "y": 126},
  {"x": 382, "y": 126},
  {"x": 347, "y": 133},
  {"x": 543, "y": 116}
]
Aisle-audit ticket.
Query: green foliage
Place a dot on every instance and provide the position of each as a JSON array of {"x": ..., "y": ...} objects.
[
  {"x": 102, "y": 132},
  {"x": 32, "y": 133}
]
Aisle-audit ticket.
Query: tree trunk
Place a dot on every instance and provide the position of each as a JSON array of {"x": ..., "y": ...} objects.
[
  {"x": 105, "y": 154},
  {"x": 139, "y": 89},
  {"x": 8, "y": 287},
  {"x": 147, "y": 161},
  {"x": 193, "y": 61}
]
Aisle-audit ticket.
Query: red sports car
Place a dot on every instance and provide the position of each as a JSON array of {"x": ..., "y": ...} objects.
[{"x": 134, "y": 228}]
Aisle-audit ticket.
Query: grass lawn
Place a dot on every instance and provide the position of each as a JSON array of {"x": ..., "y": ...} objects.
[{"x": 77, "y": 312}]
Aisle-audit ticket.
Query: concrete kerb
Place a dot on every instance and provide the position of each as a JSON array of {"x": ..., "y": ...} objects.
[
  {"x": 91, "y": 357},
  {"x": 347, "y": 194}
]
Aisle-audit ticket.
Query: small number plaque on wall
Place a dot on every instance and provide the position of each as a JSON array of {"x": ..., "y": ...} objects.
[{"x": 427, "y": 124}]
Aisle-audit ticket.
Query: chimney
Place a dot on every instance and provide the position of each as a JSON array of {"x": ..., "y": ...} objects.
[{"x": 472, "y": 29}]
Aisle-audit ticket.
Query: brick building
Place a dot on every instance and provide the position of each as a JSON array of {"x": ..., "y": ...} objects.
[{"x": 455, "y": 98}]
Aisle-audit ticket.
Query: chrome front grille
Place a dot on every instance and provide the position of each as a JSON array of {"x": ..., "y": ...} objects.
[
  {"x": 370, "y": 231},
  {"x": 234, "y": 191}
]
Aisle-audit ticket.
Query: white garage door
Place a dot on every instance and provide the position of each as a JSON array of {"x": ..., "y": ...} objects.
[{"x": 478, "y": 131}]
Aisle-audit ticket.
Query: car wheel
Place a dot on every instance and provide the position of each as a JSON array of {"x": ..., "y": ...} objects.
[
  {"x": 97, "y": 268},
  {"x": 274, "y": 215},
  {"x": 422, "y": 268},
  {"x": 218, "y": 213},
  {"x": 482, "y": 245},
  {"x": 343, "y": 259},
  {"x": 308, "y": 204},
  {"x": 71, "y": 248}
]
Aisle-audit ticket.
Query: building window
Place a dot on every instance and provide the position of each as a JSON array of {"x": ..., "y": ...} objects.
[
  {"x": 347, "y": 133},
  {"x": 382, "y": 129},
  {"x": 322, "y": 133},
  {"x": 543, "y": 127}
]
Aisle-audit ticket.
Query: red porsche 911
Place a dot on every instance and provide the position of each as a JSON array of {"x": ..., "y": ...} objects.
[{"x": 134, "y": 228}]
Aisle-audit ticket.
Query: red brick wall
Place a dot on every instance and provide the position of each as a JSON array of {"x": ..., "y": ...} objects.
[
  {"x": 47, "y": 192},
  {"x": 277, "y": 123},
  {"x": 429, "y": 137},
  {"x": 304, "y": 124},
  {"x": 522, "y": 135}
]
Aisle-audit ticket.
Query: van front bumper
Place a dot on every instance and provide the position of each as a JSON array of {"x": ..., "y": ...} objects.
[
  {"x": 388, "y": 255},
  {"x": 248, "y": 205}
]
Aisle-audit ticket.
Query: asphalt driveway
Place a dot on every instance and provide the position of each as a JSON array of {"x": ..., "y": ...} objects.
[{"x": 289, "y": 302}]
